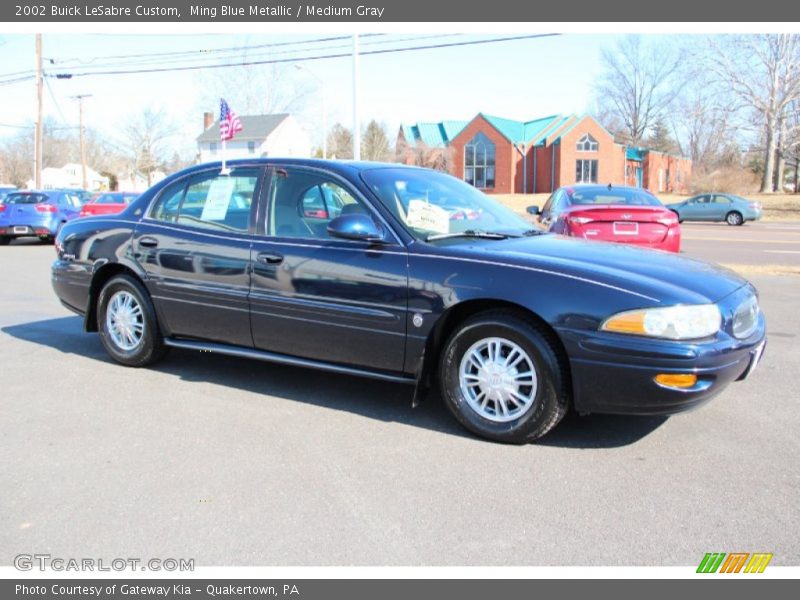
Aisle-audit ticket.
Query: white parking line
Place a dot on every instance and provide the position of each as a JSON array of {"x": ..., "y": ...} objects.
[{"x": 782, "y": 251}]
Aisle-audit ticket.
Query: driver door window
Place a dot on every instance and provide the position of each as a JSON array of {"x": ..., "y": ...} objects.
[{"x": 303, "y": 203}]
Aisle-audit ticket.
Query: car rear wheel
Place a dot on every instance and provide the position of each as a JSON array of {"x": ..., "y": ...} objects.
[
  {"x": 734, "y": 218},
  {"x": 4, "y": 240},
  {"x": 502, "y": 378},
  {"x": 127, "y": 323}
]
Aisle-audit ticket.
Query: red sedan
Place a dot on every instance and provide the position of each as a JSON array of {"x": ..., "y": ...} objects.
[
  {"x": 108, "y": 203},
  {"x": 612, "y": 214}
]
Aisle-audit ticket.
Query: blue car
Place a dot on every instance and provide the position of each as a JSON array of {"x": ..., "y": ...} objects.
[
  {"x": 36, "y": 214},
  {"x": 732, "y": 209},
  {"x": 515, "y": 326}
]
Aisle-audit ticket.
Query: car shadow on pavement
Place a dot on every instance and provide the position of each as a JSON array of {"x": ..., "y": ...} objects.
[{"x": 369, "y": 398}]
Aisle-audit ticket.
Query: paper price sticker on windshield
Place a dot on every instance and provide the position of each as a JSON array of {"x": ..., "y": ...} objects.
[
  {"x": 423, "y": 215},
  {"x": 218, "y": 199}
]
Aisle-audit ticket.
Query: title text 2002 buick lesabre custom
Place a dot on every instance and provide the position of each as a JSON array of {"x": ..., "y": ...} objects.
[{"x": 407, "y": 275}]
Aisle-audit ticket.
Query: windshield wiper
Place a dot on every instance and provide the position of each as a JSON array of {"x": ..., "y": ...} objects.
[
  {"x": 471, "y": 233},
  {"x": 531, "y": 232}
]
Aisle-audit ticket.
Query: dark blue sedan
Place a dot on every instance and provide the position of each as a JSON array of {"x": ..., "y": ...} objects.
[
  {"x": 514, "y": 325},
  {"x": 36, "y": 214}
]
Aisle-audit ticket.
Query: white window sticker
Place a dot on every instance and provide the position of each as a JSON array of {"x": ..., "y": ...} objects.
[
  {"x": 218, "y": 199},
  {"x": 423, "y": 215}
]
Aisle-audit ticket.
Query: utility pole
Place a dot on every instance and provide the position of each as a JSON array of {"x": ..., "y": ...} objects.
[
  {"x": 356, "y": 122},
  {"x": 37, "y": 176},
  {"x": 80, "y": 98}
]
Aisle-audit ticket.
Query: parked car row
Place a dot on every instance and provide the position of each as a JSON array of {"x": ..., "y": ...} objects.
[
  {"x": 412, "y": 276},
  {"x": 41, "y": 214}
]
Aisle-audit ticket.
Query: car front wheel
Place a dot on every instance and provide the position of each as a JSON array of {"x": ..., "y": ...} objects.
[
  {"x": 734, "y": 218},
  {"x": 127, "y": 323},
  {"x": 502, "y": 378}
]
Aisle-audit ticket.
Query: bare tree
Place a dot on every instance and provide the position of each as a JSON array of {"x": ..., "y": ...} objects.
[
  {"x": 420, "y": 154},
  {"x": 702, "y": 124},
  {"x": 375, "y": 143},
  {"x": 763, "y": 73},
  {"x": 252, "y": 89},
  {"x": 146, "y": 138},
  {"x": 340, "y": 142},
  {"x": 637, "y": 85}
]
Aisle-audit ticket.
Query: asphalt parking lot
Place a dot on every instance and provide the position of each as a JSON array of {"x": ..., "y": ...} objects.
[{"x": 235, "y": 462}]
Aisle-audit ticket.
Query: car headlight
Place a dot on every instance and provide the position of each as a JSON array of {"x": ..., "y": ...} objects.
[
  {"x": 687, "y": 322},
  {"x": 745, "y": 319}
]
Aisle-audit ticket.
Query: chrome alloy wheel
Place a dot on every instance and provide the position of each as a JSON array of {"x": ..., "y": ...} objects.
[
  {"x": 498, "y": 379},
  {"x": 125, "y": 321}
]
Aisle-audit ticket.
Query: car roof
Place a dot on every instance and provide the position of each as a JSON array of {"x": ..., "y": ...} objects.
[
  {"x": 337, "y": 166},
  {"x": 600, "y": 186}
]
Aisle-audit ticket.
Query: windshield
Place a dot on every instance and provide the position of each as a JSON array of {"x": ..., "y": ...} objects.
[
  {"x": 432, "y": 204},
  {"x": 604, "y": 195}
]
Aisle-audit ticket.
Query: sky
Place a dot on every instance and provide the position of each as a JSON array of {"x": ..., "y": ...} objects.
[{"x": 520, "y": 79}]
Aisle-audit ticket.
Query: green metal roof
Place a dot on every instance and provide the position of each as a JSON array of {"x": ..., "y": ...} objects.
[
  {"x": 636, "y": 154},
  {"x": 518, "y": 131},
  {"x": 556, "y": 125},
  {"x": 434, "y": 135}
]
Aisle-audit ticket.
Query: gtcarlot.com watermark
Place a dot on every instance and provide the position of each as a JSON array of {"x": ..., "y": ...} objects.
[{"x": 45, "y": 562}]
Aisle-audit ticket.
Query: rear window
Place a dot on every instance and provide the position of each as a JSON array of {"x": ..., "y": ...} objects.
[
  {"x": 25, "y": 198},
  {"x": 603, "y": 195}
]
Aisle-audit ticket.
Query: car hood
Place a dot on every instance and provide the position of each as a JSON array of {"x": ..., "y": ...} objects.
[{"x": 664, "y": 277}]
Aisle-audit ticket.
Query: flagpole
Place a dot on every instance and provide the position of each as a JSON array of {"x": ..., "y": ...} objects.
[{"x": 225, "y": 170}]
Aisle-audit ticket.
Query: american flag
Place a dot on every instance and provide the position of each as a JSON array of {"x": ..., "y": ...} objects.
[{"x": 229, "y": 123}]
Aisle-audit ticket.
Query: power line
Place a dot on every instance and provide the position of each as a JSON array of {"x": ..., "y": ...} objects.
[
  {"x": 213, "y": 50},
  {"x": 55, "y": 101},
  {"x": 310, "y": 58},
  {"x": 198, "y": 59}
]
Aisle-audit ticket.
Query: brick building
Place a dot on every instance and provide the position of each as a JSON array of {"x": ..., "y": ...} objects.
[{"x": 503, "y": 156}]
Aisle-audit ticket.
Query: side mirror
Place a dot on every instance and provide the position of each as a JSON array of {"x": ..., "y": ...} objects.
[
  {"x": 533, "y": 210},
  {"x": 355, "y": 227}
]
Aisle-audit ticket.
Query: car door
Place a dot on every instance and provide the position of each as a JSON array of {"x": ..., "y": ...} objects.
[
  {"x": 194, "y": 244},
  {"x": 695, "y": 208},
  {"x": 720, "y": 207},
  {"x": 554, "y": 206},
  {"x": 322, "y": 298}
]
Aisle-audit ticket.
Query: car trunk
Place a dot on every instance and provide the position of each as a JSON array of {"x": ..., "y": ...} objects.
[
  {"x": 25, "y": 214},
  {"x": 630, "y": 224}
]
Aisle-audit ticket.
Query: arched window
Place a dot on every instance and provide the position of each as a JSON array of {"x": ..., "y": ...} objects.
[
  {"x": 479, "y": 162},
  {"x": 587, "y": 144}
]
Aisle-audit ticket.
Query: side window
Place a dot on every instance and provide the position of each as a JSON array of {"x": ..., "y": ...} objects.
[
  {"x": 209, "y": 201},
  {"x": 722, "y": 200},
  {"x": 547, "y": 205},
  {"x": 303, "y": 203},
  {"x": 166, "y": 208},
  {"x": 559, "y": 202}
]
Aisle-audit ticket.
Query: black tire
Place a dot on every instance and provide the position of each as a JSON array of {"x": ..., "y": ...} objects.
[
  {"x": 4, "y": 240},
  {"x": 734, "y": 218},
  {"x": 149, "y": 346},
  {"x": 549, "y": 398}
]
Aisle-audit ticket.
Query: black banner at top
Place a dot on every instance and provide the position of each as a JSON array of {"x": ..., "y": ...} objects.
[{"x": 377, "y": 11}]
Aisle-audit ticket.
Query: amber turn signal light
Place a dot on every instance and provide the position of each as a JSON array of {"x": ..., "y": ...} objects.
[{"x": 676, "y": 380}]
